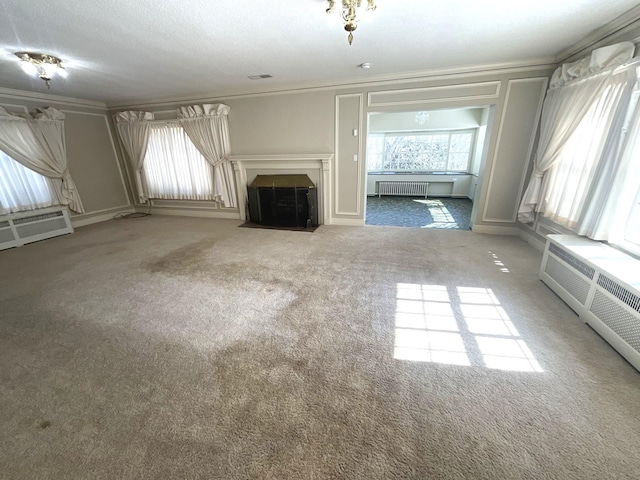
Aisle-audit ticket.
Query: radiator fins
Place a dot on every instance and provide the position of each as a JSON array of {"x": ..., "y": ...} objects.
[
  {"x": 403, "y": 188},
  {"x": 620, "y": 292},
  {"x": 579, "y": 265}
]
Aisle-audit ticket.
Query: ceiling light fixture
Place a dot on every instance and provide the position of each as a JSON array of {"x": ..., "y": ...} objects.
[
  {"x": 348, "y": 12},
  {"x": 41, "y": 64}
]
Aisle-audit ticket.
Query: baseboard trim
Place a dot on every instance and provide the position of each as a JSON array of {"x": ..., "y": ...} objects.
[
  {"x": 531, "y": 240},
  {"x": 347, "y": 222},
  {"x": 96, "y": 217},
  {"x": 187, "y": 212},
  {"x": 495, "y": 230}
]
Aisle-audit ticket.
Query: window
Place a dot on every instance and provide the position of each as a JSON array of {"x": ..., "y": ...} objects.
[
  {"x": 21, "y": 188},
  {"x": 173, "y": 166},
  {"x": 571, "y": 178},
  {"x": 592, "y": 186},
  {"x": 629, "y": 237},
  {"x": 420, "y": 151},
  {"x": 632, "y": 232}
]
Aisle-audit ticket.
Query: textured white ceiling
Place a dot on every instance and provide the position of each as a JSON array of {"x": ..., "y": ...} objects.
[{"x": 120, "y": 51}]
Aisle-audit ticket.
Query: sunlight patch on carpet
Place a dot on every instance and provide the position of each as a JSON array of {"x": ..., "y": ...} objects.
[
  {"x": 458, "y": 326},
  {"x": 498, "y": 263},
  {"x": 441, "y": 216}
]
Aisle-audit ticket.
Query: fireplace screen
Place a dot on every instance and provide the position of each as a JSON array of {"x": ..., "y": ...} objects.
[{"x": 283, "y": 201}]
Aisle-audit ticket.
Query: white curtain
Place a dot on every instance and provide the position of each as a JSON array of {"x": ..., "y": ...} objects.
[
  {"x": 575, "y": 88},
  {"x": 615, "y": 181},
  {"x": 39, "y": 145},
  {"x": 173, "y": 166},
  {"x": 208, "y": 128},
  {"x": 612, "y": 214},
  {"x": 22, "y": 188},
  {"x": 579, "y": 167},
  {"x": 632, "y": 230},
  {"x": 375, "y": 152},
  {"x": 133, "y": 128}
]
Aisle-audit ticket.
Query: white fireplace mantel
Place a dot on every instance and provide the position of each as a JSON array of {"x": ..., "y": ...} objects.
[{"x": 282, "y": 164}]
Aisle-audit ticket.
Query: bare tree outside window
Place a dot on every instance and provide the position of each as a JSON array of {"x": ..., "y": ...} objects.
[{"x": 420, "y": 151}]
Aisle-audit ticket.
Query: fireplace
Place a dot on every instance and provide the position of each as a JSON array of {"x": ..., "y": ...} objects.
[
  {"x": 283, "y": 201},
  {"x": 316, "y": 165}
]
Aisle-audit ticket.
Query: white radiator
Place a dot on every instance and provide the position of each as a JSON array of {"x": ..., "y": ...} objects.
[
  {"x": 402, "y": 188},
  {"x": 17, "y": 229},
  {"x": 601, "y": 284}
]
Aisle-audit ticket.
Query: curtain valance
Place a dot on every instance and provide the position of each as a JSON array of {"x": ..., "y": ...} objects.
[
  {"x": 37, "y": 142},
  {"x": 598, "y": 61},
  {"x": 133, "y": 116},
  {"x": 205, "y": 110}
]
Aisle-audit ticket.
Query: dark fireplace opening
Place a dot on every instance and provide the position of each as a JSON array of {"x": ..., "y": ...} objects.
[{"x": 283, "y": 201}]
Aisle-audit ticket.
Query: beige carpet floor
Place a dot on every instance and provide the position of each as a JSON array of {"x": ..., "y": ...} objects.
[{"x": 192, "y": 349}]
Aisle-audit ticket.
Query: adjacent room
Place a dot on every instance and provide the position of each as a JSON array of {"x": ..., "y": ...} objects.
[
  {"x": 422, "y": 167},
  {"x": 309, "y": 239}
]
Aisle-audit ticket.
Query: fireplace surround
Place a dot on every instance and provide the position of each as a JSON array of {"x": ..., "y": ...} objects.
[{"x": 317, "y": 166}]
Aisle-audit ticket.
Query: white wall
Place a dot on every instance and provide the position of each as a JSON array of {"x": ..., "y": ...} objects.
[{"x": 446, "y": 119}]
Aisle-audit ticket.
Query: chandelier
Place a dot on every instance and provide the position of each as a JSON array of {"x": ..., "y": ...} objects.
[
  {"x": 422, "y": 117},
  {"x": 348, "y": 12},
  {"x": 41, "y": 64}
]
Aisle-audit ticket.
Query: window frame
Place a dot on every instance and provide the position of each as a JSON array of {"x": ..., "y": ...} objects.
[
  {"x": 207, "y": 167},
  {"x": 448, "y": 132}
]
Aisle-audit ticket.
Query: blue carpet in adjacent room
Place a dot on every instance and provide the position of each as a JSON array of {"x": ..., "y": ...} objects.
[{"x": 418, "y": 212}]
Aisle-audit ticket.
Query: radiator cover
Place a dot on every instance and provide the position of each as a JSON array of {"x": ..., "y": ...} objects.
[
  {"x": 601, "y": 284},
  {"x": 18, "y": 229}
]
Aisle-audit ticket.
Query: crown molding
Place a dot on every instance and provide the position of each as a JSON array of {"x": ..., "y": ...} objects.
[
  {"x": 58, "y": 99},
  {"x": 619, "y": 25},
  {"x": 378, "y": 80}
]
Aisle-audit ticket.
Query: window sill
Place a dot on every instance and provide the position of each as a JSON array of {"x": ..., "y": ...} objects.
[{"x": 627, "y": 247}]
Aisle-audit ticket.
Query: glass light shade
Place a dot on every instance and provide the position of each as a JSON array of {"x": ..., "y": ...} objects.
[
  {"x": 50, "y": 69},
  {"x": 28, "y": 67}
]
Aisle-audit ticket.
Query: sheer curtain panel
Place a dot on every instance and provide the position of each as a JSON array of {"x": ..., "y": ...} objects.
[
  {"x": 615, "y": 182},
  {"x": 575, "y": 87},
  {"x": 580, "y": 168},
  {"x": 208, "y": 128},
  {"x": 613, "y": 213},
  {"x": 38, "y": 144},
  {"x": 22, "y": 189},
  {"x": 134, "y": 130},
  {"x": 173, "y": 166}
]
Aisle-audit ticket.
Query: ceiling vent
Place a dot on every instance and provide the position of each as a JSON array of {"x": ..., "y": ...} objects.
[{"x": 260, "y": 77}]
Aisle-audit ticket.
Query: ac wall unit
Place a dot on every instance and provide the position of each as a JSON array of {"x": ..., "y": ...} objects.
[
  {"x": 18, "y": 229},
  {"x": 601, "y": 284}
]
